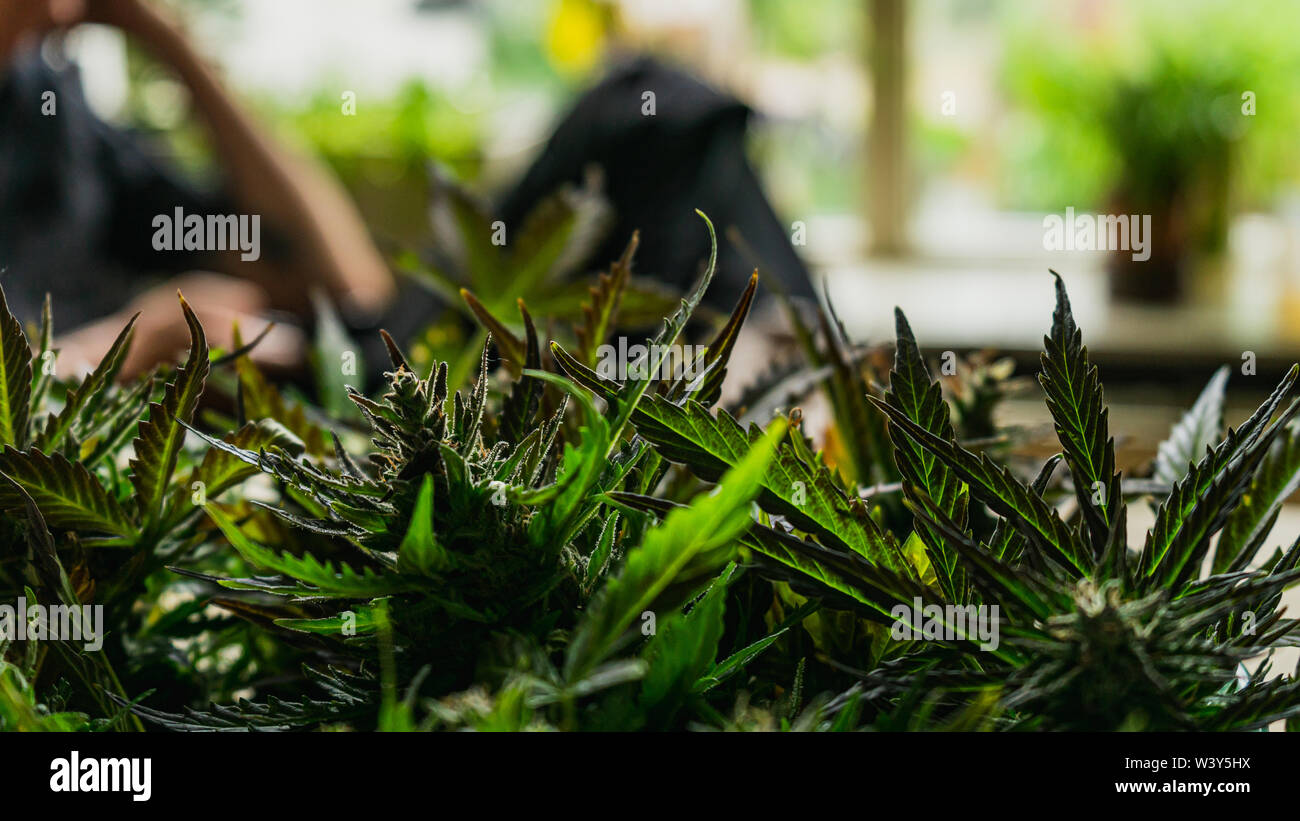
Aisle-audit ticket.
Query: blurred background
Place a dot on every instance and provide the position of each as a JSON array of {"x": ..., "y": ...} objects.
[{"x": 914, "y": 146}]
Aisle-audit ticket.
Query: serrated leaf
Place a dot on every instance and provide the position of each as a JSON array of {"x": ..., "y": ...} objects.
[
  {"x": 600, "y": 312},
  {"x": 300, "y": 475},
  {"x": 107, "y": 432},
  {"x": 67, "y": 495},
  {"x": 807, "y": 493},
  {"x": 158, "y": 442},
  {"x": 1004, "y": 541},
  {"x": 914, "y": 392},
  {"x": 737, "y": 661},
  {"x": 1078, "y": 407},
  {"x": 711, "y": 369},
  {"x": 1196, "y": 432},
  {"x": 359, "y": 621},
  {"x": 83, "y": 400},
  {"x": 15, "y": 378},
  {"x": 319, "y": 578},
  {"x": 1201, "y": 502},
  {"x": 221, "y": 470},
  {"x": 1014, "y": 588},
  {"x": 680, "y": 554},
  {"x": 661, "y": 345},
  {"x": 845, "y": 580},
  {"x": 1249, "y": 525},
  {"x": 512, "y": 347},
  {"x": 682, "y": 651},
  {"x": 995, "y": 486},
  {"x": 346, "y": 701}
]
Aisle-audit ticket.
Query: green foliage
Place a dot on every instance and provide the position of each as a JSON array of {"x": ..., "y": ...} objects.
[
  {"x": 1103, "y": 637},
  {"x": 546, "y": 548},
  {"x": 1149, "y": 102},
  {"x": 485, "y": 271}
]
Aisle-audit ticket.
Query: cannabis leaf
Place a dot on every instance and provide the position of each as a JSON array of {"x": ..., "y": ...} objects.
[
  {"x": 158, "y": 443},
  {"x": 995, "y": 486},
  {"x": 83, "y": 400},
  {"x": 316, "y": 578},
  {"x": 1200, "y": 503},
  {"x": 15, "y": 378},
  {"x": 67, "y": 495},
  {"x": 1196, "y": 432},
  {"x": 804, "y": 491},
  {"x": 600, "y": 312},
  {"x": 682, "y": 651},
  {"x": 1251, "y": 522},
  {"x": 686, "y": 549},
  {"x": 1074, "y": 397},
  {"x": 913, "y": 392}
]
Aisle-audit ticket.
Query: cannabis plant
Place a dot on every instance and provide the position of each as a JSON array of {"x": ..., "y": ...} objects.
[
  {"x": 461, "y": 552},
  {"x": 1104, "y": 635},
  {"x": 546, "y": 547},
  {"x": 1098, "y": 635},
  {"x": 95, "y": 527}
]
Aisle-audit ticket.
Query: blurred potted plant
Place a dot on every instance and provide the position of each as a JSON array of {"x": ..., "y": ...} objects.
[
  {"x": 1175, "y": 128},
  {"x": 1154, "y": 115}
]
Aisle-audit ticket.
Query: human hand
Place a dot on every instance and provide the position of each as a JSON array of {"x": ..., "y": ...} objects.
[{"x": 162, "y": 335}]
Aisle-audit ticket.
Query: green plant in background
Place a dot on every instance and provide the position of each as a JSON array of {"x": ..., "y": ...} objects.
[
  {"x": 470, "y": 254},
  {"x": 1160, "y": 112},
  {"x": 417, "y": 123},
  {"x": 381, "y": 157},
  {"x": 1161, "y": 86}
]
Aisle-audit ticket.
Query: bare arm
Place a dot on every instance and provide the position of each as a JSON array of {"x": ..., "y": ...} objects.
[{"x": 330, "y": 245}]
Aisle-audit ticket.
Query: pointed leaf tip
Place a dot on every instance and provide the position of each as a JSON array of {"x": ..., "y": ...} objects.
[
  {"x": 394, "y": 352},
  {"x": 902, "y": 328}
]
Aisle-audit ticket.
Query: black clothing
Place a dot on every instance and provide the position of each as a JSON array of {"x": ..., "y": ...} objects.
[
  {"x": 657, "y": 170},
  {"x": 77, "y": 201}
]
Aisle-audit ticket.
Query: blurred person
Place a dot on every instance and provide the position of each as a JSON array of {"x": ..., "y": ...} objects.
[
  {"x": 79, "y": 200},
  {"x": 661, "y": 157},
  {"x": 81, "y": 204}
]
